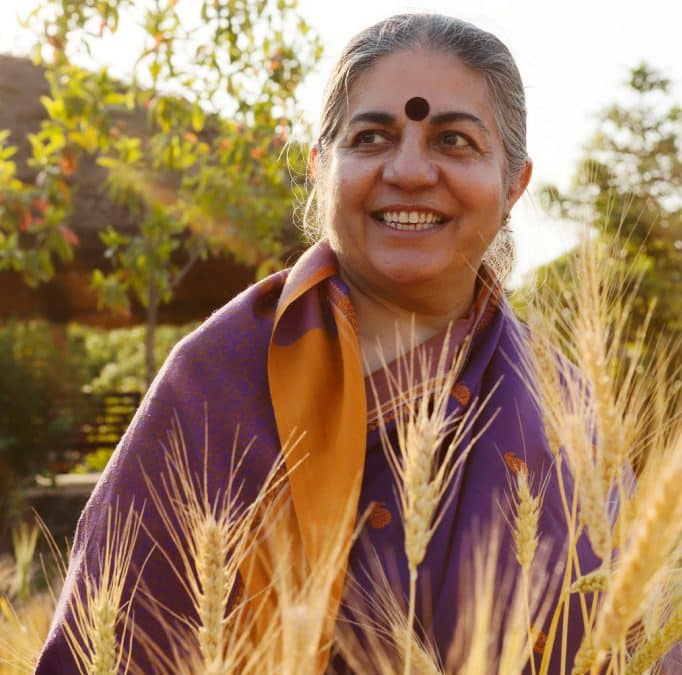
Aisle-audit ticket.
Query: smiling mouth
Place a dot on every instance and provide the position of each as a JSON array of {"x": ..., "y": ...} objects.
[{"x": 410, "y": 221}]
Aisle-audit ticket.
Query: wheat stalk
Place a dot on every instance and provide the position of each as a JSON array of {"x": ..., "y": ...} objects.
[
  {"x": 526, "y": 508},
  {"x": 212, "y": 536},
  {"x": 422, "y": 474},
  {"x": 24, "y": 540},
  {"x": 302, "y": 596},
  {"x": 646, "y": 557},
  {"x": 97, "y": 608},
  {"x": 372, "y": 635},
  {"x": 657, "y": 645}
]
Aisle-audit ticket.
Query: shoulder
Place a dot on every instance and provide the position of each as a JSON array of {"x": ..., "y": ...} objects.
[
  {"x": 227, "y": 351},
  {"x": 240, "y": 329}
]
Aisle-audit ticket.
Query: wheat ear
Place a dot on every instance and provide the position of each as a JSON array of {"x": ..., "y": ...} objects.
[
  {"x": 372, "y": 637},
  {"x": 648, "y": 554},
  {"x": 211, "y": 536},
  {"x": 593, "y": 582},
  {"x": 494, "y": 605},
  {"x": 24, "y": 540},
  {"x": 584, "y": 658},
  {"x": 96, "y": 607},
  {"x": 23, "y": 630},
  {"x": 297, "y": 630},
  {"x": 657, "y": 645},
  {"x": 527, "y": 509},
  {"x": 422, "y": 475}
]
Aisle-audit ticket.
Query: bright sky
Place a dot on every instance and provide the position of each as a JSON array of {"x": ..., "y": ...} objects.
[{"x": 573, "y": 57}]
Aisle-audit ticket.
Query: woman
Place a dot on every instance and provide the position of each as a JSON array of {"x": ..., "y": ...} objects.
[{"x": 420, "y": 159}]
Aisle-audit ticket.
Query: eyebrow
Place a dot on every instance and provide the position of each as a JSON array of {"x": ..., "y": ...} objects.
[
  {"x": 376, "y": 117},
  {"x": 386, "y": 119},
  {"x": 456, "y": 116}
]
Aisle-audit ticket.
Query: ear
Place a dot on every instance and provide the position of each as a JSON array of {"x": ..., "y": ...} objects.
[
  {"x": 313, "y": 161},
  {"x": 519, "y": 185}
]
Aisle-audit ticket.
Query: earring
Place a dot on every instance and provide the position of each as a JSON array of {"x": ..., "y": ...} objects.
[{"x": 506, "y": 219}]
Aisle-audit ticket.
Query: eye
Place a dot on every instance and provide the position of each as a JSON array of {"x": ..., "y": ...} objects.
[
  {"x": 369, "y": 138},
  {"x": 453, "y": 139}
]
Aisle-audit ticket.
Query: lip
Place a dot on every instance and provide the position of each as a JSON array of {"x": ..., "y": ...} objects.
[{"x": 408, "y": 233}]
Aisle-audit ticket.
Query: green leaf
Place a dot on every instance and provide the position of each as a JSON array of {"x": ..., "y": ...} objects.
[
  {"x": 198, "y": 118},
  {"x": 6, "y": 153}
]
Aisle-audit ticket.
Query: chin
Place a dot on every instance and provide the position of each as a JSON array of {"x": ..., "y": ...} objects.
[{"x": 415, "y": 276}]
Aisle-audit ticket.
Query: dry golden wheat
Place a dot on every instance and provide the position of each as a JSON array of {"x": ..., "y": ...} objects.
[
  {"x": 597, "y": 580},
  {"x": 24, "y": 540},
  {"x": 526, "y": 508},
  {"x": 97, "y": 609},
  {"x": 422, "y": 472},
  {"x": 23, "y": 629},
  {"x": 494, "y": 632},
  {"x": 371, "y": 635},
  {"x": 657, "y": 645},
  {"x": 302, "y": 618},
  {"x": 648, "y": 554},
  {"x": 212, "y": 536},
  {"x": 596, "y": 397},
  {"x": 601, "y": 407}
]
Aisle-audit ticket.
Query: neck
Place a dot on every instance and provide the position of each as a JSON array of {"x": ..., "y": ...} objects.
[{"x": 384, "y": 321}]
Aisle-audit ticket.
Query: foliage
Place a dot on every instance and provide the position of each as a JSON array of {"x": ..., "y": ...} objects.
[
  {"x": 39, "y": 403},
  {"x": 630, "y": 181},
  {"x": 32, "y": 215},
  {"x": 192, "y": 143},
  {"x": 115, "y": 358},
  {"x": 93, "y": 462},
  {"x": 116, "y": 363},
  {"x": 46, "y": 376},
  {"x": 39, "y": 389}
]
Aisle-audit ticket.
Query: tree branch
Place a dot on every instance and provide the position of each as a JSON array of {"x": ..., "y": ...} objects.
[{"x": 183, "y": 271}]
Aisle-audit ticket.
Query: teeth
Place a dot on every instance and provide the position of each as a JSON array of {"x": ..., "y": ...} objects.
[
  {"x": 410, "y": 220},
  {"x": 410, "y": 228}
]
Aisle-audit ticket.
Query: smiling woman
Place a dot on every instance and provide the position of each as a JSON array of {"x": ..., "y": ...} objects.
[
  {"x": 420, "y": 159},
  {"x": 414, "y": 204}
]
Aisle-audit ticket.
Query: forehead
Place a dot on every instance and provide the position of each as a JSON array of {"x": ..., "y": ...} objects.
[{"x": 441, "y": 79}]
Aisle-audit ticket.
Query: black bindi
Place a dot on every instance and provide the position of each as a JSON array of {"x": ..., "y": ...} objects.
[{"x": 417, "y": 108}]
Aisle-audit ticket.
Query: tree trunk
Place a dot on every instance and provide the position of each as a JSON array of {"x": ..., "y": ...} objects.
[{"x": 150, "y": 334}]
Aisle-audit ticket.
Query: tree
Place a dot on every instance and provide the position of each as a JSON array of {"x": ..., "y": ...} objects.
[
  {"x": 629, "y": 183},
  {"x": 193, "y": 143}
]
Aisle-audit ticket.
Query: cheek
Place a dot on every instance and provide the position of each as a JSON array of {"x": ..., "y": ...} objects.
[
  {"x": 353, "y": 177},
  {"x": 345, "y": 199},
  {"x": 481, "y": 192}
]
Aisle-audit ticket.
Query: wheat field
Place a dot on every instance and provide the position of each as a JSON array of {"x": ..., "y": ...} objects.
[{"x": 631, "y": 606}]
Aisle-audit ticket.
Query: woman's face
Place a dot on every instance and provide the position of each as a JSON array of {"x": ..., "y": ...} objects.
[{"x": 446, "y": 172}]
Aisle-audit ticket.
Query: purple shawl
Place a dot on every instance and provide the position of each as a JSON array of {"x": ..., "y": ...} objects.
[{"x": 283, "y": 352}]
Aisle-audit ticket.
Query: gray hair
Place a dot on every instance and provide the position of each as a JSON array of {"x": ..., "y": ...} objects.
[{"x": 476, "y": 48}]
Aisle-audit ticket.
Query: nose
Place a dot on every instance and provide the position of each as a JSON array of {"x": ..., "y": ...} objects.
[{"x": 410, "y": 167}]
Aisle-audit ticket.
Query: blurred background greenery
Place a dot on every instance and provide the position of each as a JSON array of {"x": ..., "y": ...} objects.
[{"x": 132, "y": 208}]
